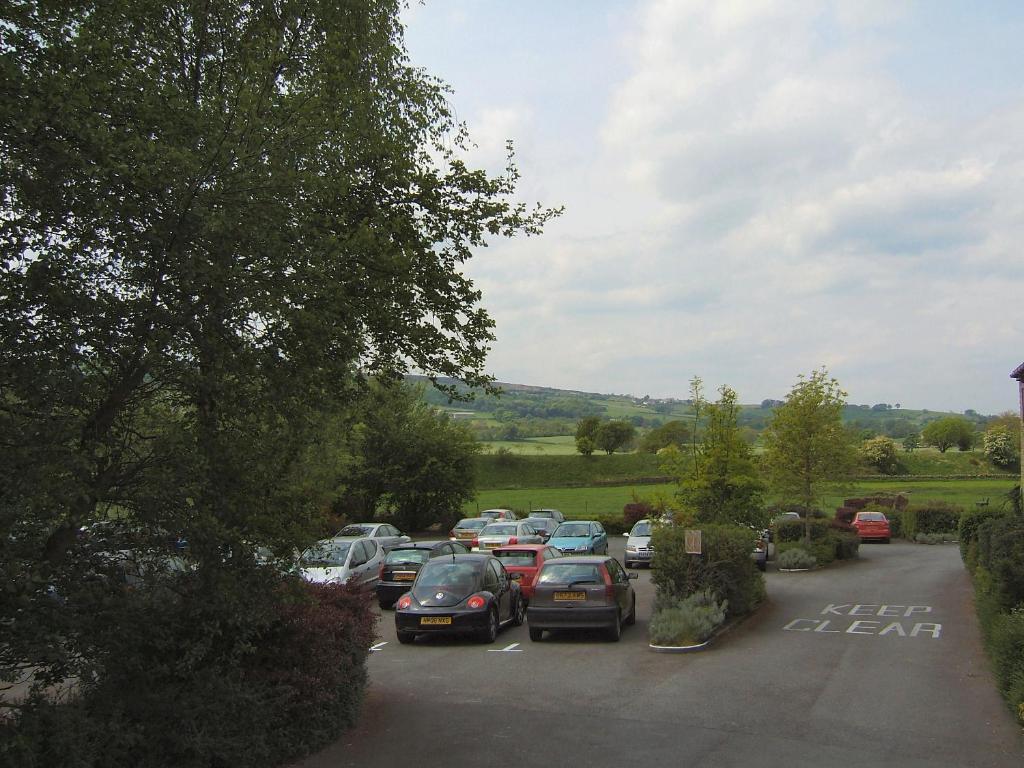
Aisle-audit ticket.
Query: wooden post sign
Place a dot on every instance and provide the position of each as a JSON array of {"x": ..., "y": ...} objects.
[{"x": 693, "y": 542}]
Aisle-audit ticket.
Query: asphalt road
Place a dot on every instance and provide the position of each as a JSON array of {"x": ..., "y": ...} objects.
[{"x": 873, "y": 663}]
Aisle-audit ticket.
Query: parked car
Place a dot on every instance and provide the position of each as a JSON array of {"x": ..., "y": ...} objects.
[
  {"x": 579, "y": 537},
  {"x": 467, "y": 528},
  {"x": 342, "y": 561},
  {"x": 554, "y": 514},
  {"x": 499, "y": 514},
  {"x": 872, "y": 525},
  {"x": 387, "y": 535},
  {"x": 582, "y": 592},
  {"x": 399, "y": 569},
  {"x": 461, "y": 594},
  {"x": 545, "y": 526},
  {"x": 522, "y": 561},
  {"x": 638, "y": 545},
  {"x": 499, "y": 534}
]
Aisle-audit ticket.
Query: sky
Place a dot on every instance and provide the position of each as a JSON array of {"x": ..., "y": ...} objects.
[{"x": 752, "y": 190}]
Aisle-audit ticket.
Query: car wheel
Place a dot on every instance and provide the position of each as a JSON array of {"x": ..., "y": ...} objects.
[
  {"x": 405, "y": 637},
  {"x": 536, "y": 634},
  {"x": 519, "y": 614},
  {"x": 631, "y": 619},
  {"x": 615, "y": 630},
  {"x": 490, "y": 633},
  {"x": 885, "y": 540}
]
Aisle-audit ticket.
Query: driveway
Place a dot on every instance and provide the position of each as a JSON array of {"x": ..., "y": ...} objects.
[{"x": 872, "y": 663}]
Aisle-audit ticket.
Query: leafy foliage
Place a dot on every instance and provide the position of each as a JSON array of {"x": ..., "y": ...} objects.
[
  {"x": 806, "y": 447},
  {"x": 610, "y": 436},
  {"x": 946, "y": 432},
  {"x": 689, "y": 621},
  {"x": 881, "y": 453},
  {"x": 797, "y": 558},
  {"x": 672, "y": 433},
  {"x": 1002, "y": 446}
]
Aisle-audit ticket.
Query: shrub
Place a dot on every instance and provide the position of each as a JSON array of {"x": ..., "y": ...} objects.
[
  {"x": 797, "y": 557},
  {"x": 689, "y": 621},
  {"x": 885, "y": 502},
  {"x": 790, "y": 530},
  {"x": 967, "y": 532},
  {"x": 847, "y": 545},
  {"x": 258, "y": 672},
  {"x": 881, "y": 453},
  {"x": 934, "y": 538},
  {"x": 725, "y": 567},
  {"x": 845, "y": 514},
  {"x": 930, "y": 517},
  {"x": 1006, "y": 648},
  {"x": 635, "y": 511},
  {"x": 1001, "y": 554}
]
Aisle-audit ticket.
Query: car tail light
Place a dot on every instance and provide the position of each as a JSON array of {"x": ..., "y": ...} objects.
[
  {"x": 476, "y": 602},
  {"x": 513, "y": 540},
  {"x": 404, "y": 602},
  {"x": 451, "y": 533},
  {"x": 609, "y": 588},
  {"x": 380, "y": 572},
  {"x": 475, "y": 542}
]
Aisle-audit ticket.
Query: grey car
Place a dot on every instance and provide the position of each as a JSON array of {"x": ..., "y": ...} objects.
[
  {"x": 554, "y": 514},
  {"x": 544, "y": 526},
  {"x": 582, "y": 592},
  {"x": 496, "y": 535},
  {"x": 342, "y": 561},
  {"x": 387, "y": 535}
]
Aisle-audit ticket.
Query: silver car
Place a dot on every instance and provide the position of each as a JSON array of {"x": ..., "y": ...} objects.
[
  {"x": 386, "y": 534},
  {"x": 342, "y": 561},
  {"x": 496, "y": 535},
  {"x": 638, "y": 545}
]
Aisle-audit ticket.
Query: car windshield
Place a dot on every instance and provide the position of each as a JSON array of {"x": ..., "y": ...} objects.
[
  {"x": 570, "y": 573},
  {"x": 499, "y": 529},
  {"x": 472, "y": 523},
  {"x": 572, "y": 530},
  {"x": 542, "y": 513},
  {"x": 326, "y": 554},
  {"x": 515, "y": 557},
  {"x": 642, "y": 528},
  {"x": 355, "y": 530},
  {"x": 540, "y": 524},
  {"x": 871, "y": 517},
  {"x": 454, "y": 576},
  {"x": 399, "y": 556}
]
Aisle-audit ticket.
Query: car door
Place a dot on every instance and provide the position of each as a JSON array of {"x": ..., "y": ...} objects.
[
  {"x": 502, "y": 589},
  {"x": 620, "y": 580},
  {"x": 600, "y": 539}
]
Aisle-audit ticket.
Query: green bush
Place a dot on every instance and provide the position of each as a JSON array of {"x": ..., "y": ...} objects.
[
  {"x": 1001, "y": 554},
  {"x": 180, "y": 680},
  {"x": 967, "y": 532},
  {"x": 1006, "y": 648},
  {"x": 792, "y": 530},
  {"x": 797, "y": 557},
  {"x": 689, "y": 621},
  {"x": 847, "y": 545},
  {"x": 935, "y": 538},
  {"x": 725, "y": 567},
  {"x": 930, "y": 517}
]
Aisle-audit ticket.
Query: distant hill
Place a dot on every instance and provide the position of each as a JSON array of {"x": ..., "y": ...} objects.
[{"x": 524, "y": 410}]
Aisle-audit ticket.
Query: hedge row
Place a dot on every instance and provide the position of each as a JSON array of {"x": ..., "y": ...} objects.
[
  {"x": 992, "y": 545},
  {"x": 830, "y": 539}
]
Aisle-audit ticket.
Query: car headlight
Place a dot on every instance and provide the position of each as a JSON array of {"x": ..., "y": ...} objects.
[{"x": 630, "y": 549}]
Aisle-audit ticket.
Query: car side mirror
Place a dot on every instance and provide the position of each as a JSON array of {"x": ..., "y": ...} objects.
[{"x": 633, "y": 575}]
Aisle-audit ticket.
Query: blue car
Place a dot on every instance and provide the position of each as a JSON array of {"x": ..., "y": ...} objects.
[{"x": 580, "y": 537}]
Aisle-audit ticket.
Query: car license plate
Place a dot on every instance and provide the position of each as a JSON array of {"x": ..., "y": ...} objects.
[
  {"x": 570, "y": 595},
  {"x": 435, "y": 620},
  {"x": 491, "y": 545},
  {"x": 403, "y": 576}
]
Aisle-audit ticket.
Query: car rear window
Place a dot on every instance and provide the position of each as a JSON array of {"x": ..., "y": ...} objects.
[
  {"x": 499, "y": 529},
  {"x": 407, "y": 556},
  {"x": 572, "y": 529},
  {"x": 871, "y": 517},
  {"x": 515, "y": 557},
  {"x": 570, "y": 573},
  {"x": 355, "y": 530},
  {"x": 472, "y": 523},
  {"x": 442, "y": 572}
]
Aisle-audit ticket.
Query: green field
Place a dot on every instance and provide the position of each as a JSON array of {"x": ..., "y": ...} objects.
[
  {"x": 559, "y": 445},
  {"x": 581, "y": 503}
]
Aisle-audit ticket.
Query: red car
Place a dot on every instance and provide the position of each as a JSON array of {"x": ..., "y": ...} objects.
[
  {"x": 872, "y": 525},
  {"x": 522, "y": 561}
]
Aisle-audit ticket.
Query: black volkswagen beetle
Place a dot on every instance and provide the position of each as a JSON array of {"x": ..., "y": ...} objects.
[{"x": 458, "y": 595}]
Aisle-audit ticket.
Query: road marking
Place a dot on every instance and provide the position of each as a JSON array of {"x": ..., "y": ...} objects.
[
  {"x": 378, "y": 646},
  {"x": 514, "y": 648},
  {"x": 867, "y": 627}
]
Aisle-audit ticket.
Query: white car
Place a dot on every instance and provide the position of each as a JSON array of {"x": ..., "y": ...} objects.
[
  {"x": 496, "y": 535},
  {"x": 386, "y": 534},
  {"x": 343, "y": 561},
  {"x": 638, "y": 545}
]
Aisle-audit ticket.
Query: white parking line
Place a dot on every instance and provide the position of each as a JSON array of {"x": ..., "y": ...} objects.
[
  {"x": 514, "y": 648},
  {"x": 378, "y": 646}
]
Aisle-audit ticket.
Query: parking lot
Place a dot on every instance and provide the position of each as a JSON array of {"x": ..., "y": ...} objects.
[{"x": 874, "y": 663}]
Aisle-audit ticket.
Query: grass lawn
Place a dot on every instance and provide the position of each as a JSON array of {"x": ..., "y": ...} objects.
[{"x": 580, "y": 503}]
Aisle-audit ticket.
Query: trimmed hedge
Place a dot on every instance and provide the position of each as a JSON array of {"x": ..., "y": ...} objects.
[
  {"x": 725, "y": 568},
  {"x": 830, "y": 540},
  {"x": 930, "y": 517},
  {"x": 992, "y": 546}
]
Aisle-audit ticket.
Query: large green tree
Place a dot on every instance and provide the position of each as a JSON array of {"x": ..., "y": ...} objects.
[
  {"x": 219, "y": 219},
  {"x": 948, "y": 431},
  {"x": 806, "y": 447},
  {"x": 612, "y": 435}
]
